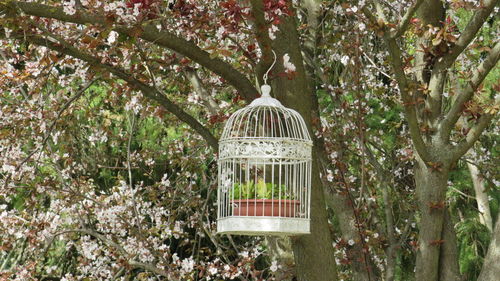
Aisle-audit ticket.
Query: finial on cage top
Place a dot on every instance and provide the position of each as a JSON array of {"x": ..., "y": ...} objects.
[
  {"x": 265, "y": 90},
  {"x": 266, "y": 99}
]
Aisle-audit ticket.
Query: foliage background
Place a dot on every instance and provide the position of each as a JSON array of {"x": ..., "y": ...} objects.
[{"x": 98, "y": 182}]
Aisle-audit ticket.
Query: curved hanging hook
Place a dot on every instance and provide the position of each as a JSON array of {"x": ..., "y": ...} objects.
[{"x": 272, "y": 65}]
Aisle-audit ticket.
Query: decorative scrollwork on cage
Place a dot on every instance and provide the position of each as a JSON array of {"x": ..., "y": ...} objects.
[{"x": 264, "y": 149}]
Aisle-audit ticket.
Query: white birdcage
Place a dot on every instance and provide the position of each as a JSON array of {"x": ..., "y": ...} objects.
[{"x": 264, "y": 171}]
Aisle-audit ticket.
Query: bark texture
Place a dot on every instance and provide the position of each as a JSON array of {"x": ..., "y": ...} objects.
[
  {"x": 280, "y": 249},
  {"x": 208, "y": 101},
  {"x": 314, "y": 255},
  {"x": 491, "y": 266},
  {"x": 448, "y": 259},
  {"x": 481, "y": 197},
  {"x": 363, "y": 268},
  {"x": 430, "y": 12},
  {"x": 431, "y": 187}
]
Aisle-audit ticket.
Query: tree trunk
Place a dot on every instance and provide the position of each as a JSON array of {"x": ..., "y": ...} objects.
[
  {"x": 430, "y": 12},
  {"x": 491, "y": 265},
  {"x": 313, "y": 254},
  {"x": 483, "y": 204},
  {"x": 280, "y": 249},
  {"x": 431, "y": 187},
  {"x": 448, "y": 259},
  {"x": 362, "y": 265},
  {"x": 390, "y": 270}
]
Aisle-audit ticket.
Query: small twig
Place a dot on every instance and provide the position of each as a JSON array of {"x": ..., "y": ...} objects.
[
  {"x": 405, "y": 233},
  {"x": 376, "y": 66},
  {"x": 116, "y": 167},
  {"x": 461, "y": 193},
  {"x": 129, "y": 170}
]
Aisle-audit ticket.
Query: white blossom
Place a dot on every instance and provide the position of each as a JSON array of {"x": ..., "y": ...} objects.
[
  {"x": 289, "y": 67},
  {"x": 345, "y": 60},
  {"x": 329, "y": 176},
  {"x": 212, "y": 270},
  {"x": 274, "y": 266},
  {"x": 352, "y": 9},
  {"x": 112, "y": 37},
  {"x": 272, "y": 30},
  {"x": 69, "y": 7},
  {"x": 164, "y": 180},
  {"x": 244, "y": 254},
  {"x": 187, "y": 264},
  {"x": 134, "y": 104},
  {"x": 8, "y": 31},
  {"x": 220, "y": 32}
]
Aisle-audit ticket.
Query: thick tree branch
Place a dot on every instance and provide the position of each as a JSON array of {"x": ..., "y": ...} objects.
[
  {"x": 431, "y": 12},
  {"x": 403, "y": 24},
  {"x": 262, "y": 35},
  {"x": 481, "y": 198},
  {"x": 369, "y": 15},
  {"x": 315, "y": 20},
  {"x": 404, "y": 88},
  {"x": 149, "y": 33},
  {"x": 199, "y": 88},
  {"x": 472, "y": 136},
  {"x": 380, "y": 11},
  {"x": 469, "y": 33},
  {"x": 407, "y": 97},
  {"x": 468, "y": 92},
  {"x": 434, "y": 99},
  {"x": 147, "y": 90},
  {"x": 491, "y": 270}
]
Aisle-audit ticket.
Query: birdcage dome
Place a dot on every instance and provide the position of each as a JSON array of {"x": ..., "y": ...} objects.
[{"x": 264, "y": 170}]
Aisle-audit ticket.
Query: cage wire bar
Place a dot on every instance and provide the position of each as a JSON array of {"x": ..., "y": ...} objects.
[{"x": 264, "y": 176}]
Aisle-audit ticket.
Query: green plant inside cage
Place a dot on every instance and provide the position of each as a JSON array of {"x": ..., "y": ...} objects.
[{"x": 261, "y": 190}]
